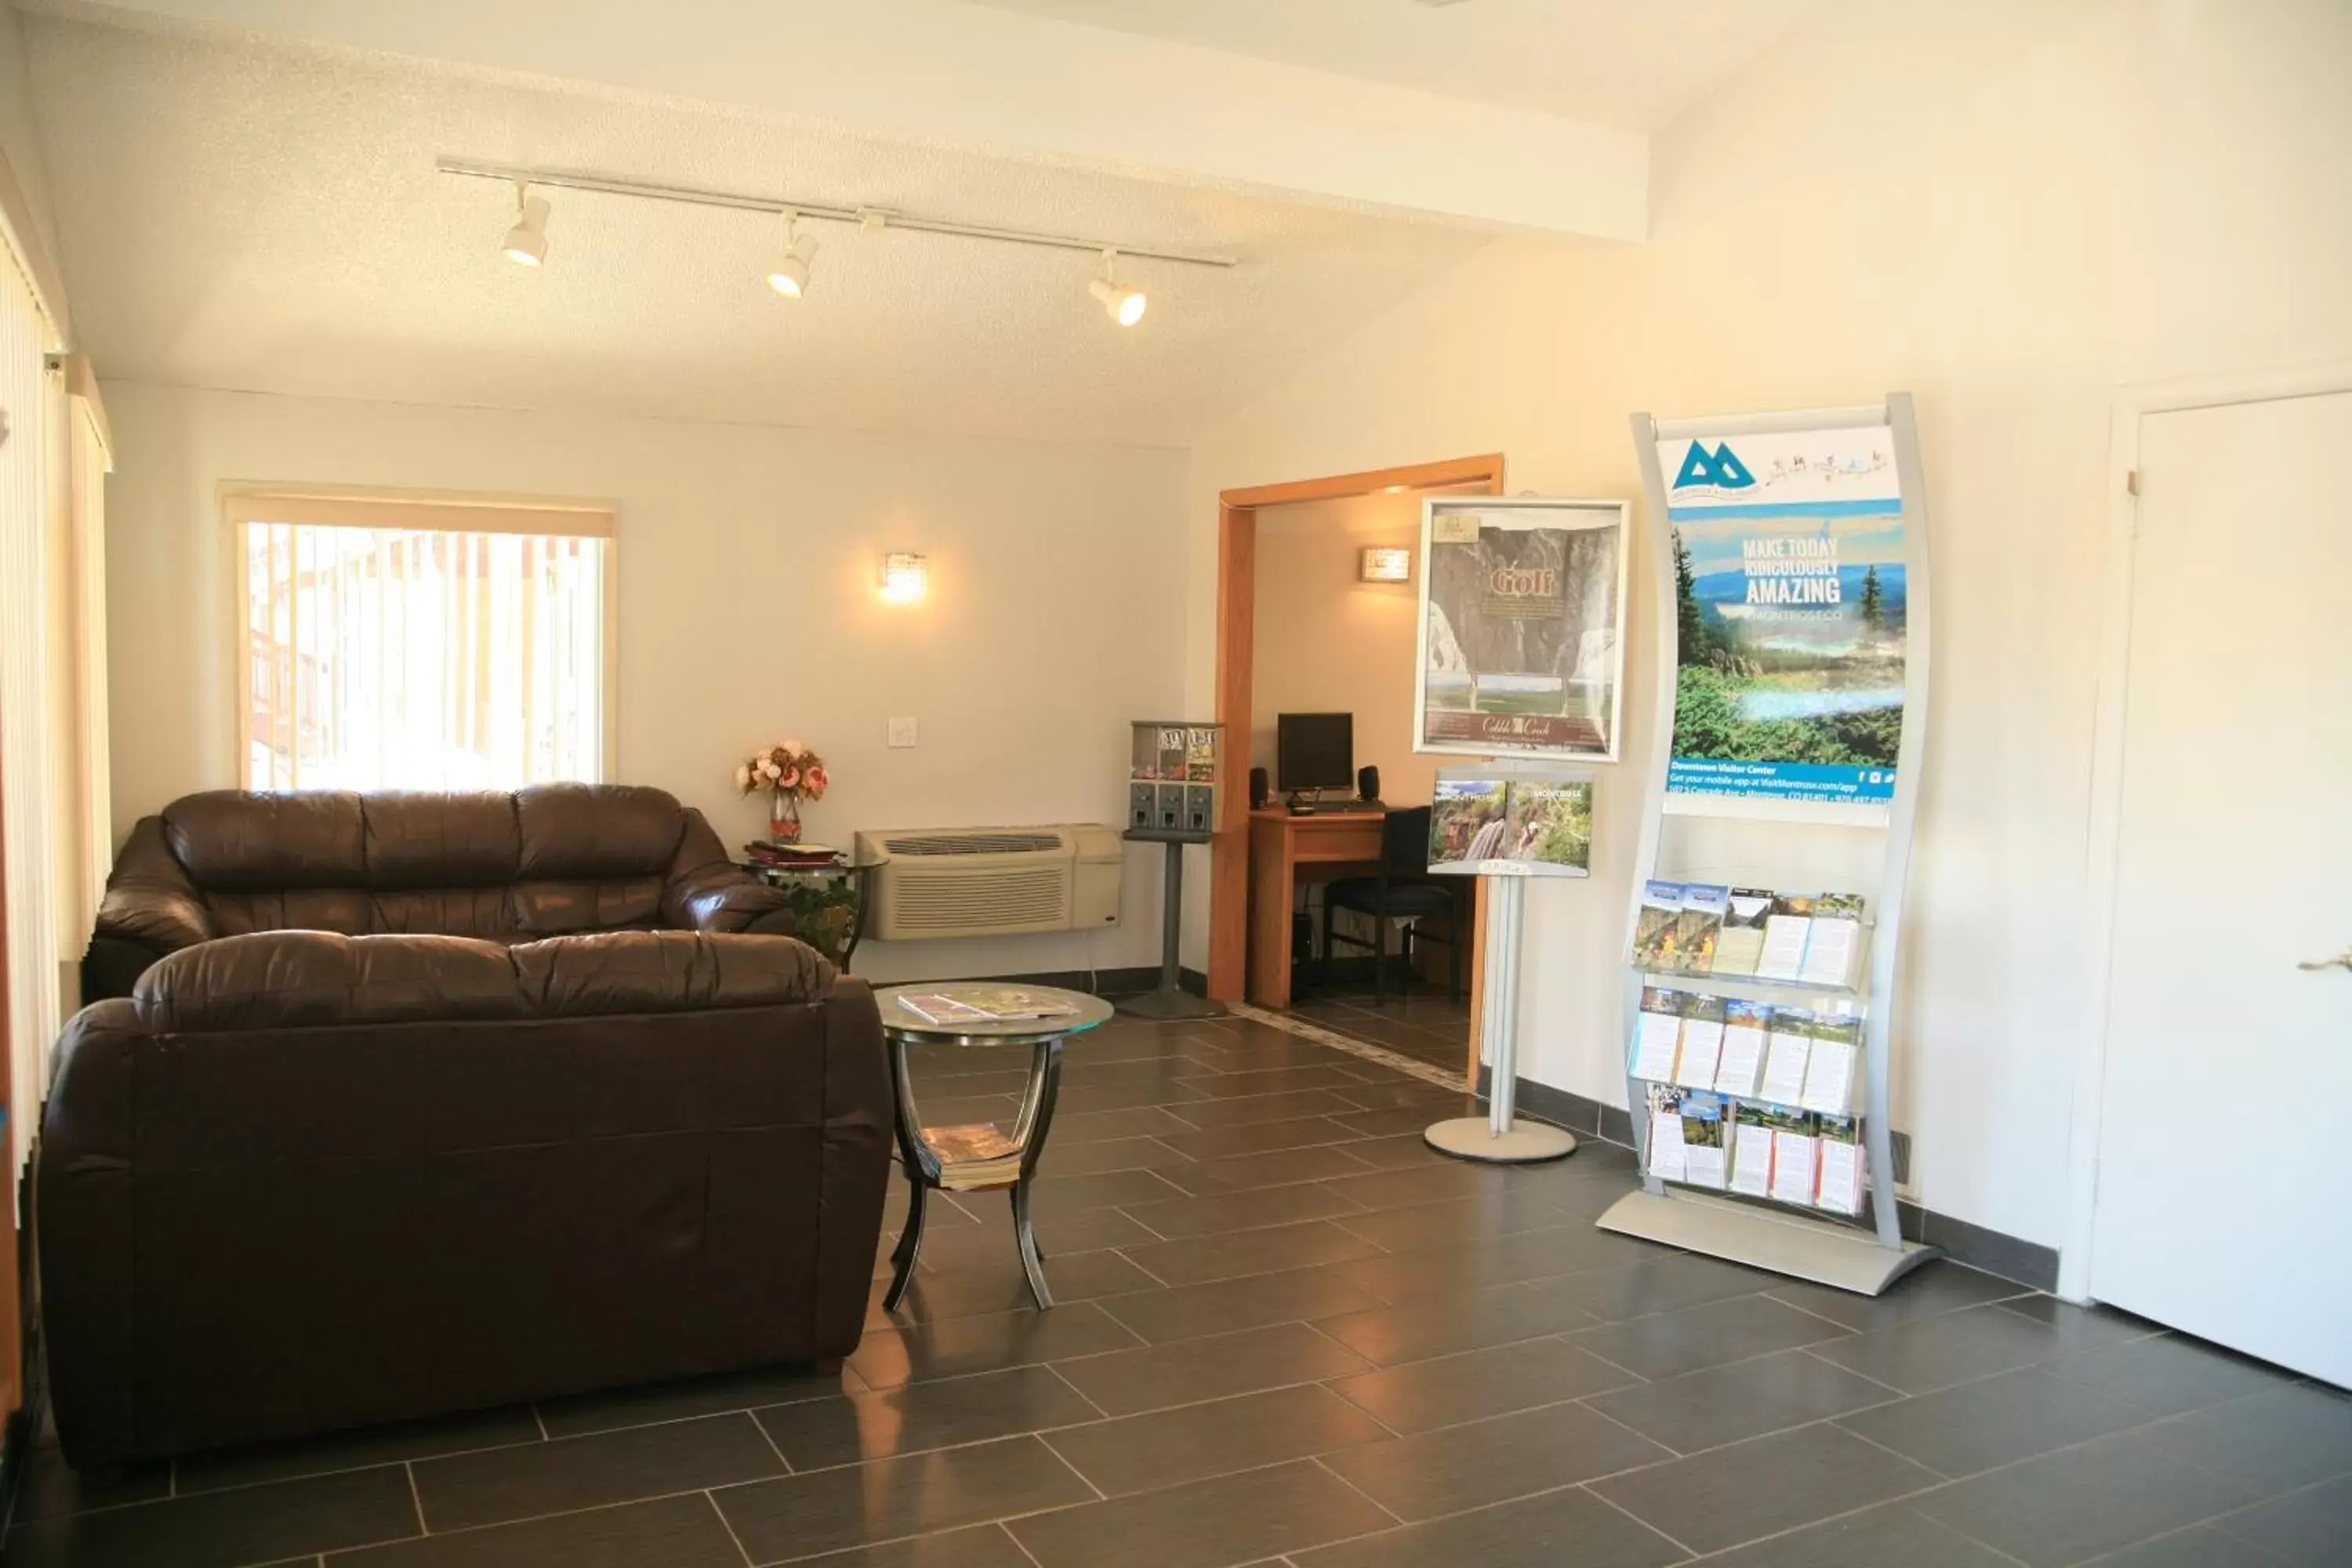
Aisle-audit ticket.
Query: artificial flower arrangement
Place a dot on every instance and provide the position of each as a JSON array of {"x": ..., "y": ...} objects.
[{"x": 791, "y": 773}]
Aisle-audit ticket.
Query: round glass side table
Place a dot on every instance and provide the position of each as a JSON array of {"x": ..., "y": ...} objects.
[{"x": 980, "y": 1157}]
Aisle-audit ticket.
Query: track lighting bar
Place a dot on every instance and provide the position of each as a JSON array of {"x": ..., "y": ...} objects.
[{"x": 868, "y": 218}]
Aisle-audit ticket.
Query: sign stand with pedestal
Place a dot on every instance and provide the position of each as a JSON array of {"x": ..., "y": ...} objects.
[{"x": 1499, "y": 1137}]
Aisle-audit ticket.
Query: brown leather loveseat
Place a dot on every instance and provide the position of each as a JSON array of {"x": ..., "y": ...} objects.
[
  {"x": 549, "y": 861},
  {"x": 301, "y": 1180}
]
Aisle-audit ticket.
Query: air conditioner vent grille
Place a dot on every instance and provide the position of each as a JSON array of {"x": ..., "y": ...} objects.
[
  {"x": 1038, "y": 899},
  {"x": 977, "y": 844}
]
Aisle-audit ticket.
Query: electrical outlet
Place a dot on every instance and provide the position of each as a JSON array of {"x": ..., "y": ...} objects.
[{"x": 902, "y": 732}]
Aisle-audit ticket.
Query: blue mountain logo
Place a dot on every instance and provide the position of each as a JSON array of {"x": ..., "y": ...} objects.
[{"x": 1722, "y": 470}]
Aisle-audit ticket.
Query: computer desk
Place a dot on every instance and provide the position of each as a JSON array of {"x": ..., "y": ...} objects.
[{"x": 1281, "y": 844}]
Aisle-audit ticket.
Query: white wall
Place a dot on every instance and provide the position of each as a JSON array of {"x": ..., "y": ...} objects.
[
  {"x": 748, "y": 559},
  {"x": 2007, "y": 207}
]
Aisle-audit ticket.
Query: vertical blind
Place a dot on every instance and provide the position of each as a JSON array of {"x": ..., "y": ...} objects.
[
  {"x": 25, "y": 749},
  {"x": 421, "y": 658}
]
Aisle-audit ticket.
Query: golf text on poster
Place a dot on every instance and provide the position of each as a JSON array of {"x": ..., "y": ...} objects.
[
  {"x": 1521, "y": 652},
  {"x": 1788, "y": 606}
]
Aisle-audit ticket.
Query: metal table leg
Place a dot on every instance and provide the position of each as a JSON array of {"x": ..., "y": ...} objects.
[
  {"x": 1029, "y": 1134},
  {"x": 921, "y": 1176}
]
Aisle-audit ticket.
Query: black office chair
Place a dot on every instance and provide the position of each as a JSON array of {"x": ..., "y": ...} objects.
[{"x": 1402, "y": 890}]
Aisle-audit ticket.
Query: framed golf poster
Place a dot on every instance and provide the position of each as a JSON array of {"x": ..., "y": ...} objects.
[{"x": 1522, "y": 644}]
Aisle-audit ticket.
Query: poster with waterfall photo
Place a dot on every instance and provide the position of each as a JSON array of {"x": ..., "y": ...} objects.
[
  {"x": 1522, "y": 641},
  {"x": 1790, "y": 612}
]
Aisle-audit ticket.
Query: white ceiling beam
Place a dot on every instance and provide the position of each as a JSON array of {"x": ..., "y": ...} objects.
[{"x": 1008, "y": 82}]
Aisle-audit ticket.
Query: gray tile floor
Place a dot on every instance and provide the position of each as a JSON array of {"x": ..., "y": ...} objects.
[
  {"x": 1291, "y": 1335},
  {"x": 1424, "y": 1023}
]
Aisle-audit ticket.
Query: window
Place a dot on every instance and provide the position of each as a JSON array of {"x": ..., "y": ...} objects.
[{"x": 422, "y": 645}]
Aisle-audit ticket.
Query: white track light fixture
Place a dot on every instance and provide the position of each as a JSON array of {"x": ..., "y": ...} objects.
[
  {"x": 1121, "y": 304},
  {"x": 790, "y": 277},
  {"x": 525, "y": 243}
]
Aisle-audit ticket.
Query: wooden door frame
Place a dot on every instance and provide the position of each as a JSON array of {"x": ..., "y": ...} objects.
[
  {"x": 2131, "y": 405},
  {"x": 1237, "y": 669}
]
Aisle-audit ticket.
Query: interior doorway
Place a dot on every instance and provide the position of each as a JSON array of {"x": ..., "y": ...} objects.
[
  {"x": 2214, "y": 1196},
  {"x": 1238, "y": 583}
]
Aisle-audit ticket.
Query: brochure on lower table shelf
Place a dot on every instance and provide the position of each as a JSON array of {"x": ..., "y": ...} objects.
[
  {"x": 1788, "y": 1042},
  {"x": 985, "y": 1005}
]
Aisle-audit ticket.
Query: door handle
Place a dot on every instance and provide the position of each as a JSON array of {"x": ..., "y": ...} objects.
[{"x": 2315, "y": 966}]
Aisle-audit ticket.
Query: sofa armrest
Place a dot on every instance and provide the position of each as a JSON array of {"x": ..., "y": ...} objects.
[
  {"x": 82, "y": 1231},
  {"x": 706, "y": 892},
  {"x": 149, "y": 898},
  {"x": 855, "y": 1171}
]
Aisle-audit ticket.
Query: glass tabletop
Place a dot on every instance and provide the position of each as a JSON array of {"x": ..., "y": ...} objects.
[{"x": 973, "y": 1013}]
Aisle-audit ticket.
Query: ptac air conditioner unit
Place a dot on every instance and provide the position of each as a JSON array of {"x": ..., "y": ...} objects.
[{"x": 992, "y": 881}]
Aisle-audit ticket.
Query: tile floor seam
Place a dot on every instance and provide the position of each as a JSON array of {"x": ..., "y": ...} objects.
[
  {"x": 1027, "y": 1556},
  {"x": 1679, "y": 1545},
  {"x": 415, "y": 1497},
  {"x": 769, "y": 1438},
  {"x": 1899, "y": 1393},
  {"x": 540, "y": 1420},
  {"x": 1064, "y": 1460},
  {"x": 1942, "y": 1477},
  {"x": 741, "y": 1550},
  {"x": 1081, "y": 1393},
  {"x": 1316, "y": 1460}
]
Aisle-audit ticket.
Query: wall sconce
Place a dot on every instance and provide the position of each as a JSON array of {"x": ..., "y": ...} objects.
[
  {"x": 1380, "y": 565},
  {"x": 904, "y": 579}
]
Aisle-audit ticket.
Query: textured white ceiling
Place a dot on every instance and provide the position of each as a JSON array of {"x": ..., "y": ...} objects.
[
  {"x": 1632, "y": 63},
  {"x": 241, "y": 214}
]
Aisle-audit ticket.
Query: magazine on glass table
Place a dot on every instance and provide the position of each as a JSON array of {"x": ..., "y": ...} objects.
[{"x": 985, "y": 1005}]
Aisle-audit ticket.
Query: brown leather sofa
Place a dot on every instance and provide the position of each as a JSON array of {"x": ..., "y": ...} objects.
[
  {"x": 301, "y": 1180},
  {"x": 551, "y": 860}
]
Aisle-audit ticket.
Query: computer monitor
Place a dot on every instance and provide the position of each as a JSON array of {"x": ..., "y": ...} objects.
[{"x": 1314, "y": 751}]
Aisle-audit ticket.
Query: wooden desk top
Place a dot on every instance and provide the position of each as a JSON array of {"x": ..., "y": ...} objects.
[{"x": 1350, "y": 815}]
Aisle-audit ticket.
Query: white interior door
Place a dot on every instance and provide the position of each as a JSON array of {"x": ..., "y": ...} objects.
[{"x": 2225, "y": 1141}]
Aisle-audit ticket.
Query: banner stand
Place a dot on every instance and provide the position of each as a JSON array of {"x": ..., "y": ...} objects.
[
  {"x": 1499, "y": 1138},
  {"x": 1868, "y": 1257}
]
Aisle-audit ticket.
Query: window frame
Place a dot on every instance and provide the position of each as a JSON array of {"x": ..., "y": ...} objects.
[{"x": 444, "y": 512}]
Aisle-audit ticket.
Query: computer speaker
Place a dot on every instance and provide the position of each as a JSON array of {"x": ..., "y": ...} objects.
[
  {"x": 1368, "y": 782},
  {"x": 1258, "y": 790}
]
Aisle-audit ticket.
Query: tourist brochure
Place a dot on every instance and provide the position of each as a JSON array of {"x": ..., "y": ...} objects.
[
  {"x": 1655, "y": 951},
  {"x": 1740, "y": 943},
  {"x": 1788, "y": 1042},
  {"x": 1703, "y": 1026},
  {"x": 1704, "y": 1117},
  {"x": 1751, "y": 1150},
  {"x": 1831, "y": 941},
  {"x": 1839, "y": 1151},
  {"x": 1795, "y": 1154},
  {"x": 1785, "y": 930},
  {"x": 1835, "y": 1047},
  {"x": 1742, "y": 1060},
  {"x": 985, "y": 1005},
  {"x": 1657, "y": 1036},
  {"x": 1667, "y": 1162},
  {"x": 1699, "y": 924},
  {"x": 1522, "y": 824}
]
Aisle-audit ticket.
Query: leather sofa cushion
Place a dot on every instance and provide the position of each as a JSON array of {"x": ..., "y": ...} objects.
[
  {"x": 286, "y": 979},
  {"x": 232, "y": 842},
  {"x": 576, "y": 833},
  {"x": 441, "y": 841}
]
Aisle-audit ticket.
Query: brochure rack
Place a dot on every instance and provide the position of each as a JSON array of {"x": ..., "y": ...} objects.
[{"x": 1710, "y": 821}]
